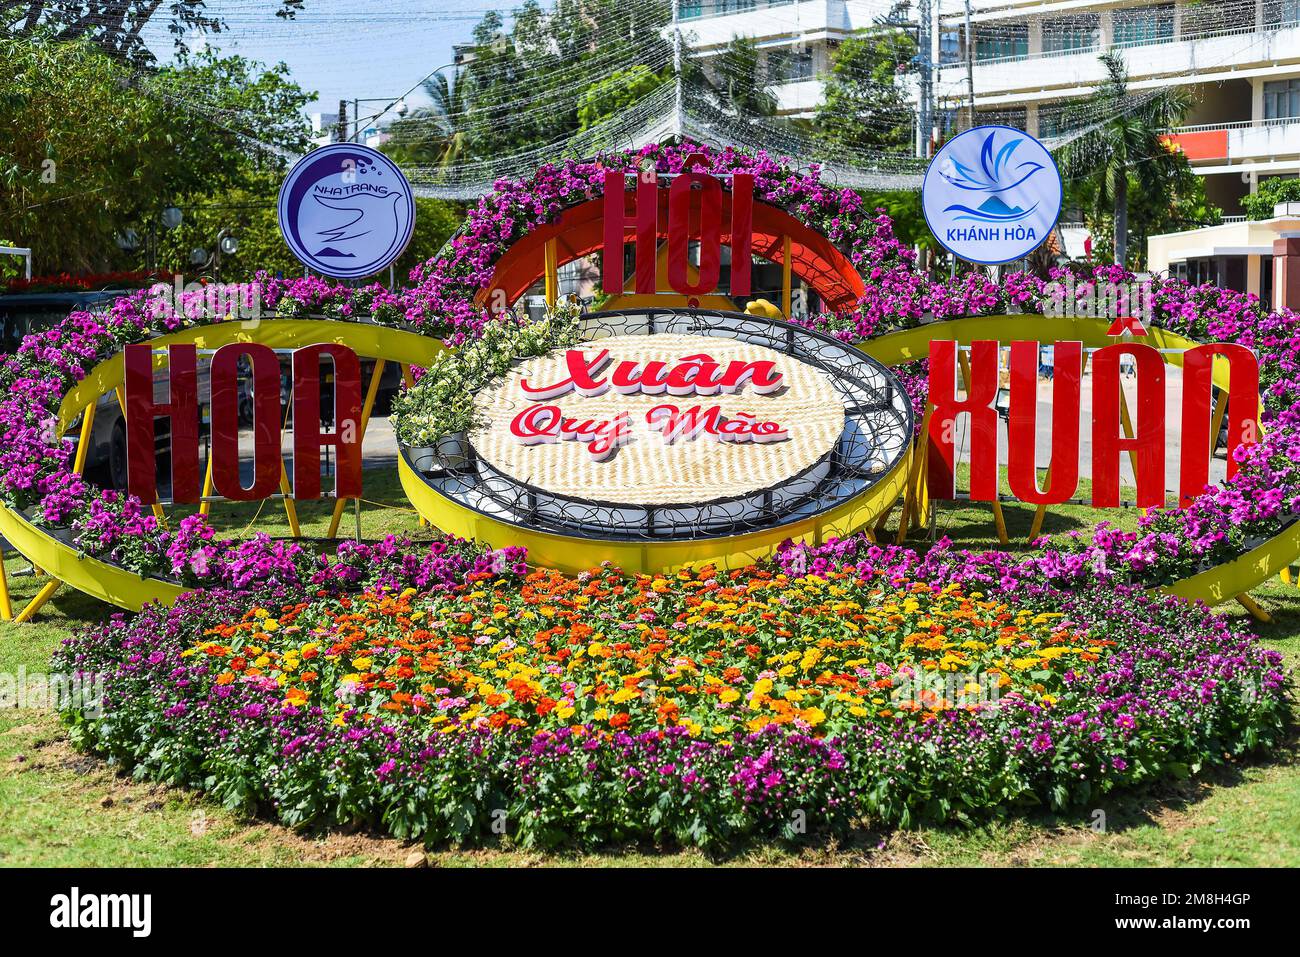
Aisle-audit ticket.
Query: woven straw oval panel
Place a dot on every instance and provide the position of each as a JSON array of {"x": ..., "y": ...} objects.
[{"x": 647, "y": 471}]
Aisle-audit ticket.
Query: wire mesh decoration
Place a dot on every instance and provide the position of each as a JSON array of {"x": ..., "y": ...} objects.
[{"x": 878, "y": 427}]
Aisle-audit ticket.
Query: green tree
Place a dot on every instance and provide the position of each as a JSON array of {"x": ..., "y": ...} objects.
[
  {"x": 741, "y": 83},
  {"x": 116, "y": 26},
  {"x": 864, "y": 108},
  {"x": 615, "y": 93},
  {"x": 437, "y": 134},
  {"x": 90, "y": 150},
  {"x": 1127, "y": 147},
  {"x": 1270, "y": 192},
  {"x": 523, "y": 84}
]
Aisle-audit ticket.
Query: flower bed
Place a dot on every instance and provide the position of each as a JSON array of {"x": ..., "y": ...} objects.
[{"x": 699, "y": 708}]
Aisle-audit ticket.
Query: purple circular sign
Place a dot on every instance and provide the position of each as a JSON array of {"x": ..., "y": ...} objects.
[{"x": 346, "y": 211}]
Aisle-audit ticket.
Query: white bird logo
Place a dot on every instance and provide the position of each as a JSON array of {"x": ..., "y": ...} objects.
[{"x": 361, "y": 214}]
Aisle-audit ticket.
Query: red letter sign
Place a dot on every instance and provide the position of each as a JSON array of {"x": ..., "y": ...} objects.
[
  {"x": 646, "y": 220},
  {"x": 709, "y": 232},
  {"x": 983, "y": 420},
  {"x": 225, "y": 422},
  {"x": 307, "y": 436},
  {"x": 182, "y": 410},
  {"x": 1243, "y": 412},
  {"x": 683, "y": 224},
  {"x": 1022, "y": 423},
  {"x": 1149, "y": 444}
]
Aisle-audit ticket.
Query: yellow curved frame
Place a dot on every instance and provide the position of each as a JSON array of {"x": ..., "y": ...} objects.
[
  {"x": 130, "y": 591},
  {"x": 575, "y": 554},
  {"x": 1214, "y": 585},
  {"x": 126, "y": 589}
]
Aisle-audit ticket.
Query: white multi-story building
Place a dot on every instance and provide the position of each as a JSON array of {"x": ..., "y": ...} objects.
[
  {"x": 1240, "y": 60},
  {"x": 796, "y": 39}
]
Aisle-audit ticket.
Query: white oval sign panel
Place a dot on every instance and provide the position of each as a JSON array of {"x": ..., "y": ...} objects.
[
  {"x": 346, "y": 211},
  {"x": 991, "y": 195}
]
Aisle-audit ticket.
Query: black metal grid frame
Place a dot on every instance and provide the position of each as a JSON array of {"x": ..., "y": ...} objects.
[{"x": 878, "y": 430}]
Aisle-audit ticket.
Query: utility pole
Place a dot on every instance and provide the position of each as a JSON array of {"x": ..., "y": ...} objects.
[
  {"x": 343, "y": 121},
  {"x": 970, "y": 68},
  {"x": 677, "y": 68},
  {"x": 925, "y": 42}
]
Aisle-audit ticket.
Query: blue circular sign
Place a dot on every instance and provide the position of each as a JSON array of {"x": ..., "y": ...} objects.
[
  {"x": 991, "y": 195},
  {"x": 346, "y": 211}
]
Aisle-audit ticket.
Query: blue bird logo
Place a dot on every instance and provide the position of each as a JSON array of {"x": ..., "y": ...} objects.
[{"x": 996, "y": 174}]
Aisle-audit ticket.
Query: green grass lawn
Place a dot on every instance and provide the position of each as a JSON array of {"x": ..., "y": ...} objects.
[{"x": 61, "y": 807}]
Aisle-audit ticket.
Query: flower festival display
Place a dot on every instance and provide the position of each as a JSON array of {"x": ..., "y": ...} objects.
[{"x": 427, "y": 690}]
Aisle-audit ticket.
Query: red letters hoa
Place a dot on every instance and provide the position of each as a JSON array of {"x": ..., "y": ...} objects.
[{"x": 182, "y": 411}]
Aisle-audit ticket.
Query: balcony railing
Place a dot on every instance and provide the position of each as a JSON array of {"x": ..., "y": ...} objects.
[
  {"x": 1126, "y": 44},
  {"x": 699, "y": 9},
  {"x": 1236, "y": 125}
]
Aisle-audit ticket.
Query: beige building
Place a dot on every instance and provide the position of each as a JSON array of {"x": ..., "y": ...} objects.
[
  {"x": 1240, "y": 59},
  {"x": 1235, "y": 255}
]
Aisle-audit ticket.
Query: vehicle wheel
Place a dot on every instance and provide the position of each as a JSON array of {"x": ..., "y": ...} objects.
[{"x": 117, "y": 456}]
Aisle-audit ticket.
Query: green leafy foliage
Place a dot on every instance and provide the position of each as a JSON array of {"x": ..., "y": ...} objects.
[
  {"x": 864, "y": 109},
  {"x": 1271, "y": 192},
  {"x": 91, "y": 150}
]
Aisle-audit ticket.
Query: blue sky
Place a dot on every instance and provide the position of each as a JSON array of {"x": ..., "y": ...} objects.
[{"x": 346, "y": 48}]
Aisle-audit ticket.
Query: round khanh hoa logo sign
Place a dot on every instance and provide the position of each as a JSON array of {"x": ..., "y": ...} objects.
[
  {"x": 991, "y": 195},
  {"x": 346, "y": 211}
]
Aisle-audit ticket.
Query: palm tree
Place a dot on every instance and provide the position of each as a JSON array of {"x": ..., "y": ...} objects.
[
  {"x": 437, "y": 134},
  {"x": 742, "y": 85},
  {"x": 1125, "y": 135}
]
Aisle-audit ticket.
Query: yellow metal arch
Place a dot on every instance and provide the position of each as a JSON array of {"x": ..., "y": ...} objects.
[{"x": 575, "y": 554}]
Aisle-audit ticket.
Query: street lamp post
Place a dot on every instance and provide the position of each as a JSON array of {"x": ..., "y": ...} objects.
[{"x": 398, "y": 105}]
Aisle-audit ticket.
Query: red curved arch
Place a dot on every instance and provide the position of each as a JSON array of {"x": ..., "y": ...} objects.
[{"x": 580, "y": 231}]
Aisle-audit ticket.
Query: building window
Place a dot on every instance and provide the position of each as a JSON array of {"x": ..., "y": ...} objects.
[
  {"x": 787, "y": 66},
  {"x": 1281, "y": 99},
  {"x": 1053, "y": 120},
  {"x": 1002, "y": 40},
  {"x": 1139, "y": 25},
  {"x": 1062, "y": 34},
  {"x": 949, "y": 47},
  {"x": 1281, "y": 12},
  {"x": 1014, "y": 118},
  {"x": 1208, "y": 16}
]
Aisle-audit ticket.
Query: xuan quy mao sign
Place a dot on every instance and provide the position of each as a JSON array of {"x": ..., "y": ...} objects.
[{"x": 698, "y": 375}]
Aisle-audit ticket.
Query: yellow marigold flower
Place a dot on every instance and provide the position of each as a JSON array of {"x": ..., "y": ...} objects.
[{"x": 731, "y": 694}]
